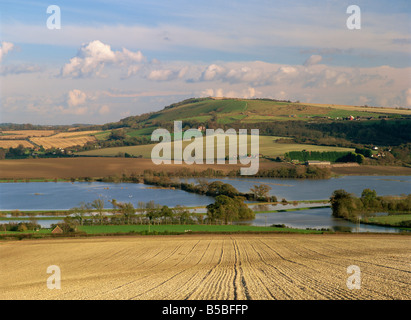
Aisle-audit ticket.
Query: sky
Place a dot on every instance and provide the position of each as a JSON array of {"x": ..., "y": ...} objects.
[{"x": 113, "y": 59}]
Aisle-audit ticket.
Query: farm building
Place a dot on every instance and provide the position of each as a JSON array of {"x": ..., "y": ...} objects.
[
  {"x": 317, "y": 163},
  {"x": 57, "y": 229}
]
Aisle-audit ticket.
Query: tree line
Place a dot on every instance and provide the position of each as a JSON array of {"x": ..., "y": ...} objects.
[
  {"x": 229, "y": 206},
  {"x": 332, "y": 156},
  {"x": 348, "y": 206}
]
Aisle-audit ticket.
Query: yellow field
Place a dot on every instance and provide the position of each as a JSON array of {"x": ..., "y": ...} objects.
[
  {"x": 5, "y": 144},
  {"x": 74, "y": 134},
  {"x": 205, "y": 267},
  {"x": 26, "y": 133},
  {"x": 367, "y": 109},
  {"x": 52, "y": 142}
]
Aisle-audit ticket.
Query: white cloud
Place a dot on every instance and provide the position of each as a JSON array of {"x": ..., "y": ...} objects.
[
  {"x": 104, "y": 110},
  {"x": 95, "y": 55},
  {"x": 314, "y": 59},
  {"x": 76, "y": 97},
  {"x": 408, "y": 97},
  {"x": 5, "y": 48},
  {"x": 212, "y": 72},
  {"x": 18, "y": 69},
  {"x": 161, "y": 75},
  {"x": 79, "y": 111}
]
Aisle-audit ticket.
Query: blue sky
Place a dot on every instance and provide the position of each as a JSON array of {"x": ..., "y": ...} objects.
[{"x": 111, "y": 59}]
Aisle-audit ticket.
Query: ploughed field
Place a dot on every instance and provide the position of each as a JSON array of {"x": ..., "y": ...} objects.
[{"x": 208, "y": 267}]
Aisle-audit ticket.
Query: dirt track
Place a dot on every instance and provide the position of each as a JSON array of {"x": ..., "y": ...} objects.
[{"x": 208, "y": 267}]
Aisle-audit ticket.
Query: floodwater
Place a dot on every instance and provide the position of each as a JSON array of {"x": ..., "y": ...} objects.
[{"x": 65, "y": 195}]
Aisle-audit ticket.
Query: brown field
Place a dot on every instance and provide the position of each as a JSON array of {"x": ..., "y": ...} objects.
[
  {"x": 5, "y": 144},
  {"x": 90, "y": 167},
  {"x": 209, "y": 267},
  {"x": 62, "y": 142},
  {"x": 66, "y": 168}
]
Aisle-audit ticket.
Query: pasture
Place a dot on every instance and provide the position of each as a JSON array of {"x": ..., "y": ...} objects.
[
  {"x": 181, "y": 228},
  {"x": 209, "y": 267}
]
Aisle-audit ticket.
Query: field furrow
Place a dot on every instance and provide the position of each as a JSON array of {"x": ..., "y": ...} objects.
[{"x": 208, "y": 267}]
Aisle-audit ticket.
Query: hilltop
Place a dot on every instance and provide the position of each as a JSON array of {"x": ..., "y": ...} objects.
[
  {"x": 325, "y": 124},
  {"x": 382, "y": 135},
  {"x": 224, "y": 111}
]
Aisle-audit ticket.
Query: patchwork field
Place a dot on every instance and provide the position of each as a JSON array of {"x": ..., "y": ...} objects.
[
  {"x": 46, "y": 138},
  {"x": 205, "y": 267}
]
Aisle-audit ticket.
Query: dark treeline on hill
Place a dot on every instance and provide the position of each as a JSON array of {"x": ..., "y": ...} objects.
[
  {"x": 383, "y": 132},
  {"x": 348, "y": 206},
  {"x": 332, "y": 156}
]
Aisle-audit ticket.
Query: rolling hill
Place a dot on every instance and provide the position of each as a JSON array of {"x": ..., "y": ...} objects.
[{"x": 230, "y": 110}]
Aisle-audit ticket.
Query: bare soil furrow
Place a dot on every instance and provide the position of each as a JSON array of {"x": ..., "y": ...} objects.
[{"x": 209, "y": 267}]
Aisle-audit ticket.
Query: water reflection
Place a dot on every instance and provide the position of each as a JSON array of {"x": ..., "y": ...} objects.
[{"x": 317, "y": 218}]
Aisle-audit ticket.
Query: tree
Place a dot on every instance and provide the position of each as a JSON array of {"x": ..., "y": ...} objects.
[
  {"x": 369, "y": 198},
  {"x": 80, "y": 211},
  {"x": 166, "y": 212},
  {"x": 341, "y": 203},
  {"x": 98, "y": 204},
  {"x": 219, "y": 188},
  {"x": 127, "y": 211},
  {"x": 151, "y": 210},
  {"x": 261, "y": 192},
  {"x": 229, "y": 209},
  {"x": 182, "y": 214},
  {"x": 117, "y": 134}
]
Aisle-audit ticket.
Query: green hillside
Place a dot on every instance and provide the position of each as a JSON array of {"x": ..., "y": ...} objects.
[{"x": 226, "y": 111}]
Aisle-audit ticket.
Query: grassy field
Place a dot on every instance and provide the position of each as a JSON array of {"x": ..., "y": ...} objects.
[
  {"x": 268, "y": 147},
  {"x": 391, "y": 220},
  {"x": 208, "y": 267},
  {"x": 185, "y": 228}
]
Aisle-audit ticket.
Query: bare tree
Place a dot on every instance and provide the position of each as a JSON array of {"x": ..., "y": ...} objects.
[{"x": 98, "y": 204}]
